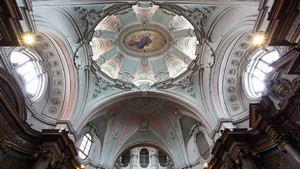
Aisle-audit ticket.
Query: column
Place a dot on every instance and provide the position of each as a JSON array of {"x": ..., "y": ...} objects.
[
  {"x": 283, "y": 144},
  {"x": 242, "y": 157},
  {"x": 44, "y": 158},
  {"x": 293, "y": 152},
  {"x": 41, "y": 163}
]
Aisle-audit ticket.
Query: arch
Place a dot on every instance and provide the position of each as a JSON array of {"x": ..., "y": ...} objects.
[{"x": 116, "y": 97}]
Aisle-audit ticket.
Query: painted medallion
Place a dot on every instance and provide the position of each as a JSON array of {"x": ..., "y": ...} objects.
[{"x": 145, "y": 41}]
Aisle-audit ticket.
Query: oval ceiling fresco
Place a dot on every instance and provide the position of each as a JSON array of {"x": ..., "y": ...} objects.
[
  {"x": 139, "y": 41},
  {"x": 144, "y": 41}
]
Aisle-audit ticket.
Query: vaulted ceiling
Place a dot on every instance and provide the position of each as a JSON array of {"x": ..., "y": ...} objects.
[{"x": 142, "y": 72}]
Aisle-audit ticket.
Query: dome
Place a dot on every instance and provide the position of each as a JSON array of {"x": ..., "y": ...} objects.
[{"x": 143, "y": 45}]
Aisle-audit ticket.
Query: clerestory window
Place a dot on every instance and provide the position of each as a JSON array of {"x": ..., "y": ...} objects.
[
  {"x": 202, "y": 145},
  {"x": 85, "y": 146},
  {"x": 144, "y": 158},
  {"x": 257, "y": 71},
  {"x": 27, "y": 66}
]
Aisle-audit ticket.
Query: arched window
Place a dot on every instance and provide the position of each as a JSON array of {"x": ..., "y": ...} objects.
[
  {"x": 144, "y": 158},
  {"x": 163, "y": 159},
  {"x": 202, "y": 145},
  {"x": 85, "y": 146},
  {"x": 125, "y": 159},
  {"x": 257, "y": 70},
  {"x": 29, "y": 69}
]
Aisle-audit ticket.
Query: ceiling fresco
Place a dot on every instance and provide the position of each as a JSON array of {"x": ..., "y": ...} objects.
[
  {"x": 146, "y": 73},
  {"x": 138, "y": 44}
]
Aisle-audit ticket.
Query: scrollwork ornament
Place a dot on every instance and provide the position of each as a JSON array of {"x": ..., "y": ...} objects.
[
  {"x": 188, "y": 83},
  {"x": 110, "y": 113},
  {"x": 295, "y": 134},
  {"x": 255, "y": 154},
  {"x": 51, "y": 157},
  {"x": 5, "y": 144},
  {"x": 237, "y": 157},
  {"x": 171, "y": 28},
  {"x": 118, "y": 27},
  {"x": 120, "y": 56},
  {"x": 177, "y": 113},
  {"x": 197, "y": 16},
  {"x": 145, "y": 4},
  {"x": 230, "y": 165},
  {"x": 280, "y": 140},
  {"x": 102, "y": 85},
  {"x": 241, "y": 153},
  {"x": 144, "y": 22},
  {"x": 80, "y": 10},
  {"x": 279, "y": 88},
  {"x": 161, "y": 76},
  {"x": 144, "y": 125},
  {"x": 91, "y": 17}
]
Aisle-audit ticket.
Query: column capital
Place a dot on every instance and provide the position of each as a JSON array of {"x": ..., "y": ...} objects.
[{"x": 280, "y": 140}]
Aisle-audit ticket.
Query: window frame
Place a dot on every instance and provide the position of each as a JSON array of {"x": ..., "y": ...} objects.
[
  {"x": 82, "y": 153},
  {"x": 144, "y": 158},
  {"x": 254, "y": 68},
  {"x": 40, "y": 74},
  {"x": 201, "y": 141},
  {"x": 162, "y": 159},
  {"x": 125, "y": 159}
]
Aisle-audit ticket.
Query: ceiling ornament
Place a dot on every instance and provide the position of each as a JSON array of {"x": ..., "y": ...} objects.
[
  {"x": 54, "y": 66},
  {"x": 144, "y": 22},
  {"x": 231, "y": 89},
  {"x": 144, "y": 125},
  {"x": 145, "y": 4},
  {"x": 93, "y": 17},
  {"x": 110, "y": 114},
  {"x": 187, "y": 83},
  {"x": 145, "y": 44},
  {"x": 279, "y": 88},
  {"x": 172, "y": 133},
  {"x": 102, "y": 85},
  {"x": 196, "y": 15},
  {"x": 209, "y": 59},
  {"x": 177, "y": 113},
  {"x": 144, "y": 101},
  {"x": 116, "y": 133}
]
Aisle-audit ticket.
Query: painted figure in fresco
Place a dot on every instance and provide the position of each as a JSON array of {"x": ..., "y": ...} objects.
[{"x": 142, "y": 41}]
